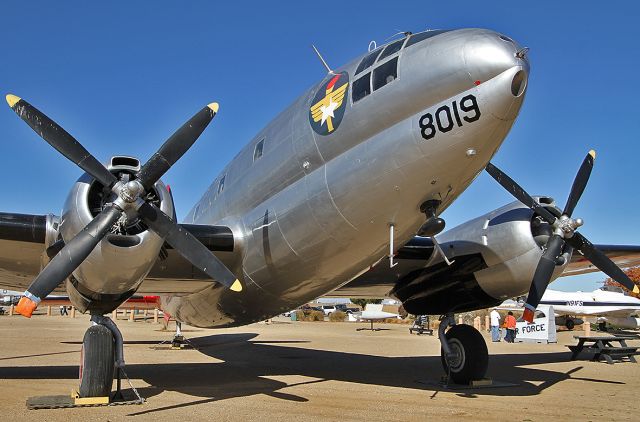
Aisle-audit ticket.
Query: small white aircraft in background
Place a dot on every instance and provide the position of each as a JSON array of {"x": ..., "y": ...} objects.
[
  {"x": 606, "y": 305},
  {"x": 601, "y": 306},
  {"x": 373, "y": 312}
]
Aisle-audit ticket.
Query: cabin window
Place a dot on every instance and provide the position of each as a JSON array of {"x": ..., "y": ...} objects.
[
  {"x": 385, "y": 73},
  {"x": 368, "y": 61},
  {"x": 196, "y": 212},
  {"x": 257, "y": 152},
  {"x": 221, "y": 185},
  {"x": 361, "y": 87},
  {"x": 416, "y": 38},
  {"x": 391, "y": 49}
]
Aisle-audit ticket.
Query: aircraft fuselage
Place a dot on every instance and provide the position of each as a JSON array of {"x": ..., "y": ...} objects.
[{"x": 311, "y": 198}]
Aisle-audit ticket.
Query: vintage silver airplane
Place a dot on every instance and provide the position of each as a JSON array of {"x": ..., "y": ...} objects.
[{"x": 340, "y": 193}]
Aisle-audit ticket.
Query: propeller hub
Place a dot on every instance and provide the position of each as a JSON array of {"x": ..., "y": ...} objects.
[
  {"x": 131, "y": 191},
  {"x": 566, "y": 226}
]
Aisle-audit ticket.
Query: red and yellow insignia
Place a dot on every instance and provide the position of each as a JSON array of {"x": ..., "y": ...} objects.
[{"x": 327, "y": 107}]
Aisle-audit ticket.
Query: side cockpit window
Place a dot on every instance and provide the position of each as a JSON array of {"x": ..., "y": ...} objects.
[
  {"x": 361, "y": 87},
  {"x": 385, "y": 73},
  {"x": 221, "y": 185},
  {"x": 391, "y": 49},
  {"x": 368, "y": 61},
  {"x": 421, "y": 36},
  {"x": 257, "y": 152}
]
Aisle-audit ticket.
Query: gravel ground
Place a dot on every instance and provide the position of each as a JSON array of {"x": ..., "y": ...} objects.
[{"x": 297, "y": 371}]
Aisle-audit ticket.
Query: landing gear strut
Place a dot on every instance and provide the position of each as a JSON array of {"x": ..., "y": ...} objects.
[
  {"x": 464, "y": 353},
  {"x": 102, "y": 358}
]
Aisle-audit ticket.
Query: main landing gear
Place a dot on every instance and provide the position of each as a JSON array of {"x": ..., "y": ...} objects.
[{"x": 463, "y": 352}]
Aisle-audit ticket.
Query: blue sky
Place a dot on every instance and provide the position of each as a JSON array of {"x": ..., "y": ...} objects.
[{"x": 122, "y": 78}]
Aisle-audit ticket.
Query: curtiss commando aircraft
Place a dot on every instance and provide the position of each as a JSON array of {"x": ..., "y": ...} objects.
[{"x": 340, "y": 193}]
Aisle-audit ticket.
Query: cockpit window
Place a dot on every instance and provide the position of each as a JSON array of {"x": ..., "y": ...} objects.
[
  {"x": 421, "y": 36},
  {"x": 361, "y": 87},
  {"x": 385, "y": 73},
  {"x": 257, "y": 152},
  {"x": 368, "y": 61},
  {"x": 391, "y": 48},
  {"x": 221, "y": 185}
]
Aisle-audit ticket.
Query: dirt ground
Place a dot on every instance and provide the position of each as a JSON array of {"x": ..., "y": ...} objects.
[{"x": 298, "y": 371}]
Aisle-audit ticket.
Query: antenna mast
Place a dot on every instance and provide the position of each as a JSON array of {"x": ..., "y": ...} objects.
[{"x": 326, "y": 66}]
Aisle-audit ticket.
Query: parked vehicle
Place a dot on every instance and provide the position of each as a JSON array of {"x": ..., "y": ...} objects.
[{"x": 329, "y": 309}]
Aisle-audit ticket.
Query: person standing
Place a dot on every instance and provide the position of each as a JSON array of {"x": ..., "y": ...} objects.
[
  {"x": 495, "y": 325},
  {"x": 510, "y": 323}
]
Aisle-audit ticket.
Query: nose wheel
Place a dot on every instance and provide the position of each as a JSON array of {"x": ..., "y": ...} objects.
[
  {"x": 97, "y": 362},
  {"x": 103, "y": 358},
  {"x": 464, "y": 353}
]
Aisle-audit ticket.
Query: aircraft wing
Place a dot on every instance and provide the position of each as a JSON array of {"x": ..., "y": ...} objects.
[
  {"x": 416, "y": 255},
  {"x": 624, "y": 256},
  {"x": 23, "y": 252},
  {"x": 22, "y": 246}
]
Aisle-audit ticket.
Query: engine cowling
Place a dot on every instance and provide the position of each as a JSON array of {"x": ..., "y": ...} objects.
[
  {"x": 118, "y": 264},
  {"x": 494, "y": 258}
]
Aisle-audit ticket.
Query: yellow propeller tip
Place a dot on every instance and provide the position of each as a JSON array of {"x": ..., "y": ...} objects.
[
  {"x": 12, "y": 100},
  {"x": 636, "y": 290},
  {"x": 214, "y": 107},
  {"x": 592, "y": 153},
  {"x": 236, "y": 286}
]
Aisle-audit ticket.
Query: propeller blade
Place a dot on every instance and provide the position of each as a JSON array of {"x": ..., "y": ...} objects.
[
  {"x": 188, "y": 246},
  {"x": 67, "y": 260},
  {"x": 520, "y": 194},
  {"x": 59, "y": 139},
  {"x": 542, "y": 276},
  {"x": 600, "y": 260},
  {"x": 579, "y": 183},
  {"x": 175, "y": 147}
]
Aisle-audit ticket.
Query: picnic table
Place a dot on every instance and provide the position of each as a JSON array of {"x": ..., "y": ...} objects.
[{"x": 604, "y": 347}]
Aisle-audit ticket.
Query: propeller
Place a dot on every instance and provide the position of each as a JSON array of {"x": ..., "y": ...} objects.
[
  {"x": 564, "y": 232},
  {"x": 130, "y": 201}
]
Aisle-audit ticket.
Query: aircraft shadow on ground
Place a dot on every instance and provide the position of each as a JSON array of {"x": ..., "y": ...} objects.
[{"x": 247, "y": 366}]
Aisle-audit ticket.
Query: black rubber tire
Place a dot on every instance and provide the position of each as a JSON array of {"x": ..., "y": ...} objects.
[
  {"x": 602, "y": 326},
  {"x": 473, "y": 354},
  {"x": 569, "y": 324},
  {"x": 97, "y": 362}
]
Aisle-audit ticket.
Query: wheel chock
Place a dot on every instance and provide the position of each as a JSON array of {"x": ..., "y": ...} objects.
[{"x": 88, "y": 401}]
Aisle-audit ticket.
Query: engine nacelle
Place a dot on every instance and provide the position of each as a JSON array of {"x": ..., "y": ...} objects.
[
  {"x": 622, "y": 322},
  {"x": 495, "y": 257},
  {"x": 115, "y": 268}
]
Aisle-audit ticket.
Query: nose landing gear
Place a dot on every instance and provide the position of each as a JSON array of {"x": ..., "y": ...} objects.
[
  {"x": 463, "y": 352},
  {"x": 102, "y": 358}
]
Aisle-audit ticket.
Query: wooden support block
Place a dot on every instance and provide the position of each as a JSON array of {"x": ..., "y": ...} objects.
[
  {"x": 84, "y": 401},
  {"x": 485, "y": 382},
  {"x": 131, "y": 316},
  {"x": 487, "y": 323},
  {"x": 48, "y": 310},
  {"x": 11, "y": 310},
  {"x": 460, "y": 319},
  {"x": 155, "y": 316},
  {"x": 73, "y": 312},
  {"x": 587, "y": 328},
  {"x": 114, "y": 314}
]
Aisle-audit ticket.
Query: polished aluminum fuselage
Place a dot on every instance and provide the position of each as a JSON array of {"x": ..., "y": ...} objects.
[{"x": 315, "y": 210}]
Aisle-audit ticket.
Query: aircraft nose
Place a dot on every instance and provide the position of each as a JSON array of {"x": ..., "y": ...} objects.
[
  {"x": 500, "y": 68},
  {"x": 489, "y": 54}
]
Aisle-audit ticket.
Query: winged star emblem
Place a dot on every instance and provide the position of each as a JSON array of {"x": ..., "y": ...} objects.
[{"x": 323, "y": 111}]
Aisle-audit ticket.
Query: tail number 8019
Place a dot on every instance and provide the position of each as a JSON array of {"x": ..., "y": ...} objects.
[{"x": 446, "y": 117}]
